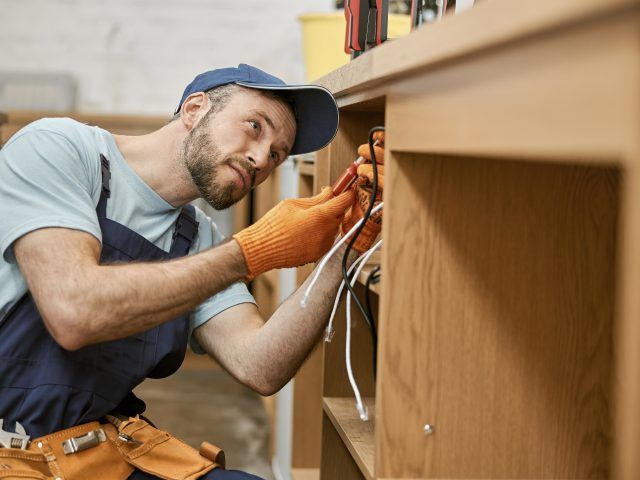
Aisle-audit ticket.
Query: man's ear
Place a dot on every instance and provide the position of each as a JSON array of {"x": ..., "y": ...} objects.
[{"x": 193, "y": 109}]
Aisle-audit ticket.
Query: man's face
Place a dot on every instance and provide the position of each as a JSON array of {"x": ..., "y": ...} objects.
[{"x": 229, "y": 152}]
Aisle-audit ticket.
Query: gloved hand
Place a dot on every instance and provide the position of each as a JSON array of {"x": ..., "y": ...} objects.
[
  {"x": 364, "y": 188},
  {"x": 365, "y": 170},
  {"x": 294, "y": 232}
]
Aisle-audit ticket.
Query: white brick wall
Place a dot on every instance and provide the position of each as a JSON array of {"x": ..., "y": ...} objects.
[{"x": 136, "y": 56}]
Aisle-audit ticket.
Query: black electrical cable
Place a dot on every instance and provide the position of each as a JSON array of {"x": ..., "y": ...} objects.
[
  {"x": 367, "y": 214},
  {"x": 373, "y": 278}
]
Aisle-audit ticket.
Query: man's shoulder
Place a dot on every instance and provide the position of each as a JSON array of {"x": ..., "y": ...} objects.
[
  {"x": 67, "y": 127},
  {"x": 54, "y": 149},
  {"x": 55, "y": 139}
]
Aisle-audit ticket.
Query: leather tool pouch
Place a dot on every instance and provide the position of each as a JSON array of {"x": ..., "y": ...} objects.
[
  {"x": 23, "y": 464},
  {"x": 45, "y": 457},
  {"x": 79, "y": 453},
  {"x": 157, "y": 452}
]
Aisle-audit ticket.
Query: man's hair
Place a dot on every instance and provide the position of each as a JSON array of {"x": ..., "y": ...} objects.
[{"x": 220, "y": 96}]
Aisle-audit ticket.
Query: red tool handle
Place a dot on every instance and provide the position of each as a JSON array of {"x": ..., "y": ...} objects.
[
  {"x": 345, "y": 180},
  {"x": 348, "y": 22},
  {"x": 356, "y": 16}
]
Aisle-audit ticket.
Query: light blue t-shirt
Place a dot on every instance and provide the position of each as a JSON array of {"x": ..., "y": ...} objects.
[{"x": 50, "y": 176}]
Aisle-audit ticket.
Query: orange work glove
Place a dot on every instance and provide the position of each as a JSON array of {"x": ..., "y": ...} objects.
[
  {"x": 365, "y": 170},
  {"x": 294, "y": 232},
  {"x": 364, "y": 188}
]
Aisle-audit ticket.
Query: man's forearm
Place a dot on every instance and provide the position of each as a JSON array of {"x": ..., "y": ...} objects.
[
  {"x": 83, "y": 302},
  {"x": 285, "y": 341},
  {"x": 141, "y": 296}
]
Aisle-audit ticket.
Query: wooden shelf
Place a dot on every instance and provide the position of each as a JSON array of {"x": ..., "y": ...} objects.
[
  {"x": 306, "y": 164},
  {"x": 14, "y": 120},
  {"x": 358, "y": 436},
  {"x": 306, "y": 168},
  {"x": 305, "y": 473},
  {"x": 368, "y": 76}
]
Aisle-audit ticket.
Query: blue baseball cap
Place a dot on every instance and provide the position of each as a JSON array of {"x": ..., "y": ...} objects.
[{"x": 315, "y": 108}]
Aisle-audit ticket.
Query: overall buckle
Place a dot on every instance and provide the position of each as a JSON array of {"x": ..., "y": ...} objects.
[{"x": 185, "y": 227}]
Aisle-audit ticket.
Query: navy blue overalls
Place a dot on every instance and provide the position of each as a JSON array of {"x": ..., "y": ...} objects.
[{"x": 47, "y": 388}]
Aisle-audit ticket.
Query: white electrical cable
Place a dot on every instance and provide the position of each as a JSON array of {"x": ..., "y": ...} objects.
[
  {"x": 363, "y": 259},
  {"x": 334, "y": 249},
  {"x": 362, "y": 409},
  {"x": 328, "y": 335}
]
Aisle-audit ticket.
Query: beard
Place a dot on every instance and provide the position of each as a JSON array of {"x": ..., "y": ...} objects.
[{"x": 204, "y": 161}]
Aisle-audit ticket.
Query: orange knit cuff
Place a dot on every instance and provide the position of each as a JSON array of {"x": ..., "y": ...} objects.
[{"x": 367, "y": 236}]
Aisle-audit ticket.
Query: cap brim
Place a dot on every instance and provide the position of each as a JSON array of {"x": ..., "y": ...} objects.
[{"x": 317, "y": 115}]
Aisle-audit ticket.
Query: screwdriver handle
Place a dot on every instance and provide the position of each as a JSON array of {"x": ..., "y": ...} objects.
[{"x": 345, "y": 180}]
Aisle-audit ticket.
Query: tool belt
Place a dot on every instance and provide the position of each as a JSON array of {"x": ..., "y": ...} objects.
[{"x": 109, "y": 451}]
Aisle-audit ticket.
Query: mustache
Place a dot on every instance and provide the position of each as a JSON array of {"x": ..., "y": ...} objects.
[{"x": 241, "y": 162}]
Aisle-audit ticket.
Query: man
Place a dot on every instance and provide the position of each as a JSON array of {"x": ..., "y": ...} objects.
[{"x": 106, "y": 272}]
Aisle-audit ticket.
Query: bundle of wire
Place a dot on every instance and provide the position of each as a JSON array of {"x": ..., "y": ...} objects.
[
  {"x": 358, "y": 265},
  {"x": 334, "y": 249},
  {"x": 351, "y": 292}
]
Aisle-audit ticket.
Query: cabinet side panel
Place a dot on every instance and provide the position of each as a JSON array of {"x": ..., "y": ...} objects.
[
  {"x": 627, "y": 460},
  {"x": 496, "y": 319}
]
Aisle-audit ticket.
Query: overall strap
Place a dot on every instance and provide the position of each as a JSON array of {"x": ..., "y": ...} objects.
[
  {"x": 185, "y": 232},
  {"x": 186, "y": 228},
  {"x": 105, "y": 193}
]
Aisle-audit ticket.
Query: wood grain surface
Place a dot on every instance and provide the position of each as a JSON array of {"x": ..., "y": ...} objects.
[
  {"x": 541, "y": 99},
  {"x": 356, "y": 435},
  {"x": 497, "y": 313},
  {"x": 509, "y": 304},
  {"x": 489, "y": 25},
  {"x": 337, "y": 461},
  {"x": 627, "y": 459}
]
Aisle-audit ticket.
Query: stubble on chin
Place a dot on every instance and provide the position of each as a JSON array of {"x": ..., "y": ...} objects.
[{"x": 204, "y": 162}]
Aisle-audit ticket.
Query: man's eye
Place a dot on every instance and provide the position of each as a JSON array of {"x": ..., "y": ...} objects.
[
  {"x": 274, "y": 157},
  {"x": 255, "y": 125}
]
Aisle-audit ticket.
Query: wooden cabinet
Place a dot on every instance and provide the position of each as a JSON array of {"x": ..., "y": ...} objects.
[
  {"x": 118, "y": 124},
  {"x": 509, "y": 306}
]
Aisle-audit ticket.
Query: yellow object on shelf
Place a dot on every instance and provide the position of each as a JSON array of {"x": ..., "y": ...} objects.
[{"x": 323, "y": 40}]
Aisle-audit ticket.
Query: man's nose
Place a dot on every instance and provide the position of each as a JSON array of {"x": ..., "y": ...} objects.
[{"x": 259, "y": 158}]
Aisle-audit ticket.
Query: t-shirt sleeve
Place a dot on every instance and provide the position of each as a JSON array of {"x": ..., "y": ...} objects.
[
  {"x": 234, "y": 295},
  {"x": 45, "y": 181}
]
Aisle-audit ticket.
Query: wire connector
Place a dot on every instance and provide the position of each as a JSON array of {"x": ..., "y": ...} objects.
[
  {"x": 328, "y": 333},
  {"x": 362, "y": 411}
]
